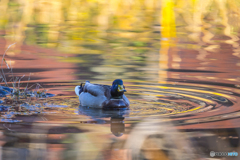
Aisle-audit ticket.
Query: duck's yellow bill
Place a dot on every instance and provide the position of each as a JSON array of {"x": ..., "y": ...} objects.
[{"x": 121, "y": 88}]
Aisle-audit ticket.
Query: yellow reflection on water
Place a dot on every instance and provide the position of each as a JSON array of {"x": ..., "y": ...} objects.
[{"x": 168, "y": 32}]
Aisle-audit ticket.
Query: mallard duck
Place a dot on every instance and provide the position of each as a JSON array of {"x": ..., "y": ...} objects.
[{"x": 102, "y": 96}]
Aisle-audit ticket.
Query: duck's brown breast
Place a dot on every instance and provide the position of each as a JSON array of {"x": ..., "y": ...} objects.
[{"x": 115, "y": 103}]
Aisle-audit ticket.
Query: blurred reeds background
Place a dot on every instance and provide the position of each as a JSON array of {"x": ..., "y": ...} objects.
[
  {"x": 66, "y": 24},
  {"x": 121, "y": 31}
]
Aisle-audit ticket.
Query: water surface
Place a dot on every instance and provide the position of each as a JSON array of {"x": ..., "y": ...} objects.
[{"x": 179, "y": 61}]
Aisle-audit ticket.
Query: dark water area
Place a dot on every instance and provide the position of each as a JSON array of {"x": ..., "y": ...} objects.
[{"x": 179, "y": 61}]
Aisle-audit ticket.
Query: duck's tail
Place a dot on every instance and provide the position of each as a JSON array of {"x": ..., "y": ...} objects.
[{"x": 79, "y": 89}]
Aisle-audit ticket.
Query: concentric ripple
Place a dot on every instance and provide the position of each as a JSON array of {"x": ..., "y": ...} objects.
[{"x": 185, "y": 103}]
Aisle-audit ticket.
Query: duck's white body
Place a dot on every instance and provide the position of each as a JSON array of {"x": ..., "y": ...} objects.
[
  {"x": 99, "y": 96},
  {"x": 90, "y": 99}
]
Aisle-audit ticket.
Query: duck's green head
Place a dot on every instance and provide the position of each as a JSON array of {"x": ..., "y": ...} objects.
[{"x": 117, "y": 89}]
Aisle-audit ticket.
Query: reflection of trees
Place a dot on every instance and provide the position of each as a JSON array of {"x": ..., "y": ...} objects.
[
  {"x": 119, "y": 31},
  {"x": 89, "y": 21},
  {"x": 81, "y": 20},
  {"x": 203, "y": 26}
]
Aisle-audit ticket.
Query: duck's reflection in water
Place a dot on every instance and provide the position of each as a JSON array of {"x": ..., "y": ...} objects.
[
  {"x": 117, "y": 126},
  {"x": 116, "y": 118}
]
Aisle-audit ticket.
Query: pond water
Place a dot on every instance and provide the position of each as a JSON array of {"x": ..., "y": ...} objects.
[{"x": 179, "y": 61}]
